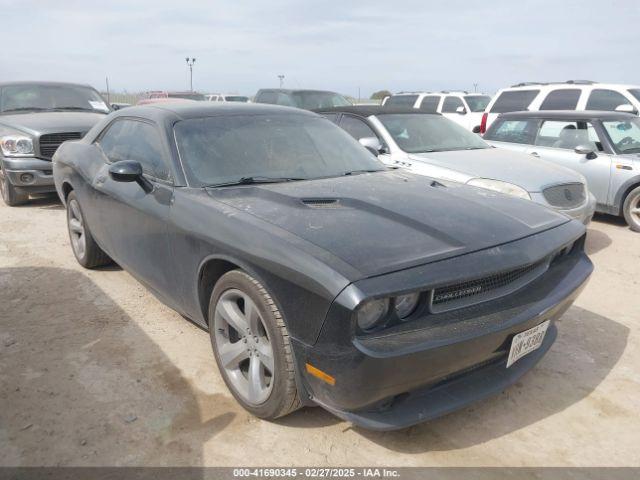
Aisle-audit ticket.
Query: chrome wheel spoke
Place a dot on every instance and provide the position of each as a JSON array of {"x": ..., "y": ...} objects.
[
  {"x": 265, "y": 353},
  {"x": 256, "y": 380},
  {"x": 76, "y": 226},
  {"x": 232, "y": 354},
  {"x": 230, "y": 312}
]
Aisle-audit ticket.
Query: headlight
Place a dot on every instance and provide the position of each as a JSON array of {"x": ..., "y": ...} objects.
[
  {"x": 498, "y": 186},
  {"x": 16, "y": 146},
  {"x": 372, "y": 312},
  {"x": 406, "y": 304}
]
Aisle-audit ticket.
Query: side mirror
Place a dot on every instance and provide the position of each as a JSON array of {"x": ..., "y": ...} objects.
[
  {"x": 626, "y": 108},
  {"x": 461, "y": 110},
  {"x": 129, "y": 171},
  {"x": 372, "y": 144},
  {"x": 115, "y": 106},
  {"x": 585, "y": 150}
]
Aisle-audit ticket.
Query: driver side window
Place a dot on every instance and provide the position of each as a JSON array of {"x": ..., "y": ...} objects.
[{"x": 135, "y": 140}]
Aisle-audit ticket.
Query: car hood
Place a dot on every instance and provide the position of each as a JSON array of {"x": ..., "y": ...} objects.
[
  {"x": 51, "y": 122},
  {"x": 383, "y": 222},
  {"x": 530, "y": 173}
]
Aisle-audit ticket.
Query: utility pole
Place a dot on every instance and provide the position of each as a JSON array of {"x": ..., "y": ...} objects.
[
  {"x": 190, "y": 63},
  {"x": 358, "y": 94},
  {"x": 108, "y": 92},
  {"x": 281, "y": 78}
]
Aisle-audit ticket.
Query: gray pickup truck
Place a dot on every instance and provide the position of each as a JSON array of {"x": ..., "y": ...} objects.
[{"x": 35, "y": 118}]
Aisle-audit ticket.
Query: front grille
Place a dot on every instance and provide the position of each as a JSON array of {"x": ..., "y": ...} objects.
[
  {"x": 50, "y": 142},
  {"x": 569, "y": 195},
  {"x": 486, "y": 288}
]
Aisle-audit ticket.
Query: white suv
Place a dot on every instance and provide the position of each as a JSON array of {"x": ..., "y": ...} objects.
[
  {"x": 219, "y": 97},
  {"x": 569, "y": 95},
  {"x": 462, "y": 107}
]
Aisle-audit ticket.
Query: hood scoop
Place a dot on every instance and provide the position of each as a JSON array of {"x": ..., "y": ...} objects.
[{"x": 322, "y": 202}]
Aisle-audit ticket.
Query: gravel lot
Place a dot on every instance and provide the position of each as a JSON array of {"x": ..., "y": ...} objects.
[{"x": 95, "y": 371}]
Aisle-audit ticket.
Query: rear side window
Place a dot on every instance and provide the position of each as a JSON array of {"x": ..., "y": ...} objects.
[
  {"x": 430, "y": 104},
  {"x": 403, "y": 100},
  {"x": 563, "y": 99},
  {"x": 513, "y": 131},
  {"x": 635, "y": 92},
  {"x": 135, "y": 140},
  {"x": 356, "y": 128},
  {"x": 608, "y": 100},
  {"x": 514, "y": 101},
  {"x": 331, "y": 116},
  {"x": 450, "y": 104},
  {"x": 275, "y": 98},
  {"x": 568, "y": 135}
]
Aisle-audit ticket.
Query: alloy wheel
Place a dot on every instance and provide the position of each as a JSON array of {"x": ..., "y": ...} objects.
[
  {"x": 244, "y": 348},
  {"x": 635, "y": 209},
  {"x": 76, "y": 229}
]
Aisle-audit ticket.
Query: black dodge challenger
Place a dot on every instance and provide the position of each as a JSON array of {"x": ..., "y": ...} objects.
[{"x": 323, "y": 277}]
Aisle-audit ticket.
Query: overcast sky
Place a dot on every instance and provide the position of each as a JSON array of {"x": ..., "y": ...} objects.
[{"x": 340, "y": 45}]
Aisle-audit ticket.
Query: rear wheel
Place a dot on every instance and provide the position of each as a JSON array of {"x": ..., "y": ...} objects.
[
  {"x": 631, "y": 209},
  {"x": 251, "y": 346},
  {"x": 84, "y": 247},
  {"x": 10, "y": 194}
]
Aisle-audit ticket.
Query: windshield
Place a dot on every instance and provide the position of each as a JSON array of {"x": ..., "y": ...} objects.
[
  {"x": 418, "y": 133},
  {"x": 477, "y": 103},
  {"x": 188, "y": 95},
  {"x": 313, "y": 100},
  {"x": 624, "y": 134},
  {"x": 225, "y": 149},
  {"x": 33, "y": 97},
  {"x": 236, "y": 98}
]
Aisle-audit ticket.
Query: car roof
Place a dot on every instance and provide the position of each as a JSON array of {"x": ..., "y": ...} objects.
[
  {"x": 575, "y": 84},
  {"x": 368, "y": 110},
  {"x": 287, "y": 90},
  {"x": 33, "y": 82},
  {"x": 186, "y": 110},
  {"x": 441, "y": 92},
  {"x": 569, "y": 114}
]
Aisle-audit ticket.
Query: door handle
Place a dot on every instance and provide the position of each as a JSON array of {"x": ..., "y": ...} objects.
[{"x": 535, "y": 154}]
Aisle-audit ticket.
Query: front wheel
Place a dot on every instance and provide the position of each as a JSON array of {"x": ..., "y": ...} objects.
[
  {"x": 631, "y": 209},
  {"x": 251, "y": 346},
  {"x": 84, "y": 247},
  {"x": 10, "y": 194}
]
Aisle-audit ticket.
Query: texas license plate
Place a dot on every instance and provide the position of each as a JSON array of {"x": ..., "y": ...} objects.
[{"x": 526, "y": 342}]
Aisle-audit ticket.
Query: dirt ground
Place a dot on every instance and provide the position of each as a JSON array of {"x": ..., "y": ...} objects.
[{"x": 95, "y": 371}]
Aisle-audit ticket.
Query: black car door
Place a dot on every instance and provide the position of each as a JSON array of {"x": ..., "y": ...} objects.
[{"x": 135, "y": 222}]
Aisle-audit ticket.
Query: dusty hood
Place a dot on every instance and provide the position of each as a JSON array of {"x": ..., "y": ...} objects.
[
  {"x": 518, "y": 168},
  {"x": 383, "y": 222},
  {"x": 51, "y": 122}
]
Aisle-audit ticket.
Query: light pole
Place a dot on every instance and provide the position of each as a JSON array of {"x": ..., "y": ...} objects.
[
  {"x": 281, "y": 78},
  {"x": 475, "y": 87},
  {"x": 190, "y": 63}
]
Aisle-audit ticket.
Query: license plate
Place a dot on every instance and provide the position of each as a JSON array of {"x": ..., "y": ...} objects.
[{"x": 526, "y": 342}]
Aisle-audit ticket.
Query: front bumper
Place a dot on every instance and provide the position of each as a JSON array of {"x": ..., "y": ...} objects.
[
  {"x": 422, "y": 371},
  {"x": 32, "y": 175}
]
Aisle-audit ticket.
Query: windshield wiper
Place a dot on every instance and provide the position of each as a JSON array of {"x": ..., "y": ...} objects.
[
  {"x": 356, "y": 172},
  {"x": 80, "y": 109},
  {"x": 26, "y": 109},
  {"x": 255, "y": 180}
]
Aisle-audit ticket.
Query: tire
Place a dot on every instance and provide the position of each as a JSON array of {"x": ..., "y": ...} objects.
[
  {"x": 631, "y": 209},
  {"x": 84, "y": 247},
  {"x": 241, "y": 358},
  {"x": 10, "y": 194}
]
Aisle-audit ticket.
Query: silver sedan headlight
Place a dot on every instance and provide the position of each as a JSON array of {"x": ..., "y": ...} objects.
[
  {"x": 500, "y": 186},
  {"x": 16, "y": 146}
]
